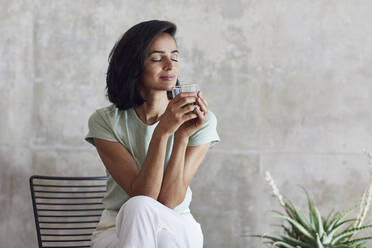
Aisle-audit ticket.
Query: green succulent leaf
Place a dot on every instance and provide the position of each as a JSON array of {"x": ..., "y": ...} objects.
[
  {"x": 296, "y": 242},
  {"x": 288, "y": 231},
  {"x": 344, "y": 222},
  {"x": 320, "y": 223},
  {"x": 318, "y": 242},
  {"x": 272, "y": 238},
  {"x": 336, "y": 228},
  {"x": 299, "y": 227},
  {"x": 348, "y": 233},
  {"x": 329, "y": 217},
  {"x": 312, "y": 213},
  {"x": 294, "y": 213},
  {"x": 333, "y": 222},
  {"x": 326, "y": 240},
  {"x": 283, "y": 244},
  {"x": 348, "y": 211},
  {"x": 344, "y": 246},
  {"x": 340, "y": 216},
  {"x": 357, "y": 241}
]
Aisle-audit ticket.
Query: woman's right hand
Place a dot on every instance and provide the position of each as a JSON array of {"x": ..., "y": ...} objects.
[{"x": 177, "y": 113}]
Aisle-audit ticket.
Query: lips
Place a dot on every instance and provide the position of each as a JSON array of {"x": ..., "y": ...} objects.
[{"x": 168, "y": 78}]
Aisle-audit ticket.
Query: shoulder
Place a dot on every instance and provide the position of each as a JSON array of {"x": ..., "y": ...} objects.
[
  {"x": 106, "y": 112},
  {"x": 106, "y": 123},
  {"x": 107, "y": 115},
  {"x": 109, "y": 118}
]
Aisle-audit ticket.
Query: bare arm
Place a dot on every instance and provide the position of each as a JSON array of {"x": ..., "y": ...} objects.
[
  {"x": 123, "y": 168},
  {"x": 173, "y": 188},
  {"x": 182, "y": 167}
]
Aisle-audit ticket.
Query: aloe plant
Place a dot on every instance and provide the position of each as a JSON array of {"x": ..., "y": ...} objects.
[{"x": 337, "y": 230}]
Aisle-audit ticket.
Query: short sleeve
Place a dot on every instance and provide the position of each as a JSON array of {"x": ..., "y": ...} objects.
[
  {"x": 208, "y": 132},
  {"x": 99, "y": 128}
]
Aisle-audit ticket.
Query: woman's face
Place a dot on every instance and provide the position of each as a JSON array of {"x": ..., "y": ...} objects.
[{"x": 161, "y": 64}]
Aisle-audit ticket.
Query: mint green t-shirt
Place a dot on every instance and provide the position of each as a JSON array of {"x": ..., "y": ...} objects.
[{"x": 125, "y": 127}]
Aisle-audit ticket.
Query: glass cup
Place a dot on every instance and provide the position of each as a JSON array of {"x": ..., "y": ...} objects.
[{"x": 185, "y": 88}]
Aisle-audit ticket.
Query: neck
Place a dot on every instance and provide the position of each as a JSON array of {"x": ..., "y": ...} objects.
[{"x": 153, "y": 107}]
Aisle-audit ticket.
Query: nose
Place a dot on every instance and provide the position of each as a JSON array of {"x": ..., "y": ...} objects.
[{"x": 168, "y": 65}]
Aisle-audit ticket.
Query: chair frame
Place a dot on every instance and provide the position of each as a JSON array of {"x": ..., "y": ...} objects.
[{"x": 60, "y": 178}]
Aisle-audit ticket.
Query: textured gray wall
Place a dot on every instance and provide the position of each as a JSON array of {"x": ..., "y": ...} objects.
[{"x": 289, "y": 81}]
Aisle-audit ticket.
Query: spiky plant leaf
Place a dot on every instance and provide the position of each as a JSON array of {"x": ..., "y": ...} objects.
[
  {"x": 296, "y": 242},
  {"x": 283, "y": 244},
  {"x": 340, "y": 216},
  {"x": 329, "y": 217},
  {"x": 320, "y": 223},
  {"x": 272, "y": 238},
  {"x": 296, "y": 215},
  {"x": 312, "y": 216},
  {"x": 348, "y": 233},
  {"x": 299, "y": 227},
  {"x": 328, "y": 237},
  {"x": 342, "y": 223},
  {"x": 288, "y": 231},
  {"x": 318, "y": 242},
  {"x": 356, "y": 241},
  {"x": 326, "y": 240}
]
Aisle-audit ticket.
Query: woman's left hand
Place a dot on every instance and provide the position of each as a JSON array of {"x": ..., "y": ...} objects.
[{"x": 188, "y": 128}]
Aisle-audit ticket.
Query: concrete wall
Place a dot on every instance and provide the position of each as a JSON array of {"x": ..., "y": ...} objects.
[{"x": 289, "y": 81}]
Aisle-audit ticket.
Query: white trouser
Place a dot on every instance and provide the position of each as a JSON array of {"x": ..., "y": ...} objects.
[{"x": 143, "y": 222}]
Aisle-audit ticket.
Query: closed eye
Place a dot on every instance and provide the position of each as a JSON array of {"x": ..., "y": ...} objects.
[{"x": 175, "y": 59}]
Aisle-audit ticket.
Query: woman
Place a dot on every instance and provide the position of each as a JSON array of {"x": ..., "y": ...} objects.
[{"x": 151, "y": 146}]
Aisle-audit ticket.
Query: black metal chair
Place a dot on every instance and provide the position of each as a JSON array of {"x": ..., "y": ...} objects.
[{"x": 66, "y": 209}]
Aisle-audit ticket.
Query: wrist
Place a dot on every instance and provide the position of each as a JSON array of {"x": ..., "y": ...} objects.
[
  {"x": 181, "y": 137},
  {"x": 160, "y": 133}
]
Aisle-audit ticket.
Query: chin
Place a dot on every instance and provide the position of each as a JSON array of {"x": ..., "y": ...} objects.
[{"x": 170, "y": 86}]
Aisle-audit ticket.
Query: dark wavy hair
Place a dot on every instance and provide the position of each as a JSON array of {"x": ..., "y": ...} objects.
[{"x": 127, "y": 62}]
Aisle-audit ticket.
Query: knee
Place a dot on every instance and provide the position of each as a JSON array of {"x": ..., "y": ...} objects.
[
  {"x": 139, "y": 204},
  {"x": 134, "y": 207},
  {"x": 133, "y": 210}
]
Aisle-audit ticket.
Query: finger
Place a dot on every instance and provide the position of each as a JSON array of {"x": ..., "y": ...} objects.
[
  {"x": 200, "y": 95},
  {"x": 189, "y": 117},
  {"x": 199, "y": 112},
  {"x": 187, "y": 109},
  {"x": 201, "y": 117},
  {"x": 203, "y": 106},
  {"x": 184, "y": 101}
]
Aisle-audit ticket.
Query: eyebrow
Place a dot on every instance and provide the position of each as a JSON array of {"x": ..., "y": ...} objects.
[{"x": 162, "y": 52}]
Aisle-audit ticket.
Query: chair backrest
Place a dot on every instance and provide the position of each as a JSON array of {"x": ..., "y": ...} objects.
[{"x": 66, "y": 209}]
